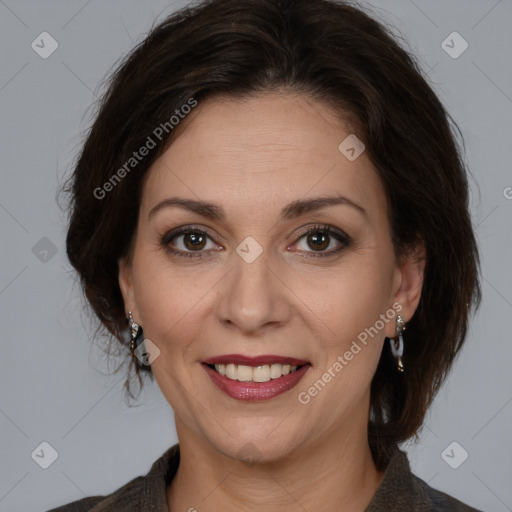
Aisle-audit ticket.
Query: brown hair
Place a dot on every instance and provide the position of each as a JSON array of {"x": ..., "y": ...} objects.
[{"x": 333, "y": 52}]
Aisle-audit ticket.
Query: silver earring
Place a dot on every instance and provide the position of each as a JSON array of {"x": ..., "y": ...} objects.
[
  {"x": 397, "y": 344},
  {"x": 135, "y": 335}
]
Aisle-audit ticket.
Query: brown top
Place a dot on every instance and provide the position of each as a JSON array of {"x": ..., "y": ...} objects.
[{"x": 399, "y": 491}]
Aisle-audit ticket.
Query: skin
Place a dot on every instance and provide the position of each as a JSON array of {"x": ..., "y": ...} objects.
[{"x": 252, "y": 157}]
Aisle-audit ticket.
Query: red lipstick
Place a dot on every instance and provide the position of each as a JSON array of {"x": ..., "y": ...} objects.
[{"x": 255, "y": 391}]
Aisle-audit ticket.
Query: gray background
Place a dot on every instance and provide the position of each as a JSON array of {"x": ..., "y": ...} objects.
[{"x": 55, "y": 385}]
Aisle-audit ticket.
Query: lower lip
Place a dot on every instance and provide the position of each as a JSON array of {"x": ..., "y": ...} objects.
[{"x": 256, "y": 391}]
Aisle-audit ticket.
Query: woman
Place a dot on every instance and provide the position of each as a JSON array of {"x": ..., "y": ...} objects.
[{"x": 272, "y": 200}]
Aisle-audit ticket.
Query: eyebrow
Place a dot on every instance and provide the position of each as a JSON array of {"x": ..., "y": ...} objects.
[{"x": 295, "y": 209}]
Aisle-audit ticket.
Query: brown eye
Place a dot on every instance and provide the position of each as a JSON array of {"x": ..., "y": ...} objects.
[
  {"x": 187, "y": 242},
  {"x": 194, "y": 241},
  {"x": 318, "y": 239}
]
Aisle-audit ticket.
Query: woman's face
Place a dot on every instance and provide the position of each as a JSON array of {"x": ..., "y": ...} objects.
[{"x": 252, "y": 282}]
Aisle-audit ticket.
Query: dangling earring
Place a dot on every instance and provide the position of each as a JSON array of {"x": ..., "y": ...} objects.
[
  {"x": 135, "y": 334},
  {"x": 397, "y": 345}
]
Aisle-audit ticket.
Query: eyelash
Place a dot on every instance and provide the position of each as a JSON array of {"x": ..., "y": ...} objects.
[{"x": 342, "y": 237}]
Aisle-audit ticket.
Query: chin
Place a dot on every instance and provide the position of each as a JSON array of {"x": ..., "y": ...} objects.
[{"x": 254, "y": 449}]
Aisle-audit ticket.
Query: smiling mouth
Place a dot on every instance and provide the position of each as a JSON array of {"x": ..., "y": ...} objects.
[
  {"x": 263, "y": 373},
  {"x": 255, "y": 378}
]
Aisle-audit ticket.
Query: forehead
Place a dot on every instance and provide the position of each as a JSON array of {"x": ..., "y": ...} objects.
[{"x": 261, "y": 152}]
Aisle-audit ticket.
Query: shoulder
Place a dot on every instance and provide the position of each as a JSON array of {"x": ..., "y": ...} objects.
[
  {"x": 438, "y": 500},
  {"x": 83, "y": 505},
  {"x": 135, "y": 495},
  {"x": 125, "y": 496},
  {"x": 402, "y": 491}
]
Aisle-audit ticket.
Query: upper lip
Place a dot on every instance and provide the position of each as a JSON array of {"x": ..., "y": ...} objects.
[{"x": 255, "y": 361}]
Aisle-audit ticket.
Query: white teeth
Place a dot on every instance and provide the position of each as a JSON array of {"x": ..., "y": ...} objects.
[
  {"x": 231, "y": 371},
  {"x": 244, "y": 373},
  {"x": 275, "y": 371},
  {"x": 262, "y": 373}
]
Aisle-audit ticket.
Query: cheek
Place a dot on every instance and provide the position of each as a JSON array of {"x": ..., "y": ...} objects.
[
  {"x": 344, "y": 301},
  {"x": 350, "y": 304},
  {"x": 171, "y": 299}
]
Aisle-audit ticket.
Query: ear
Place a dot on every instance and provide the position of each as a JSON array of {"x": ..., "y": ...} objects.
[
  {"x": 125, "y": 279},
  {"x": 408, "y": 284}
]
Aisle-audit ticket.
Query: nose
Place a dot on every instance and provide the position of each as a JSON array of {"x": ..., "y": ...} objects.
[{"x": 253, "y": 296}]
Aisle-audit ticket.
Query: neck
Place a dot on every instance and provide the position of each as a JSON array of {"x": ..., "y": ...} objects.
[{"x": 336, "y": 472}]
